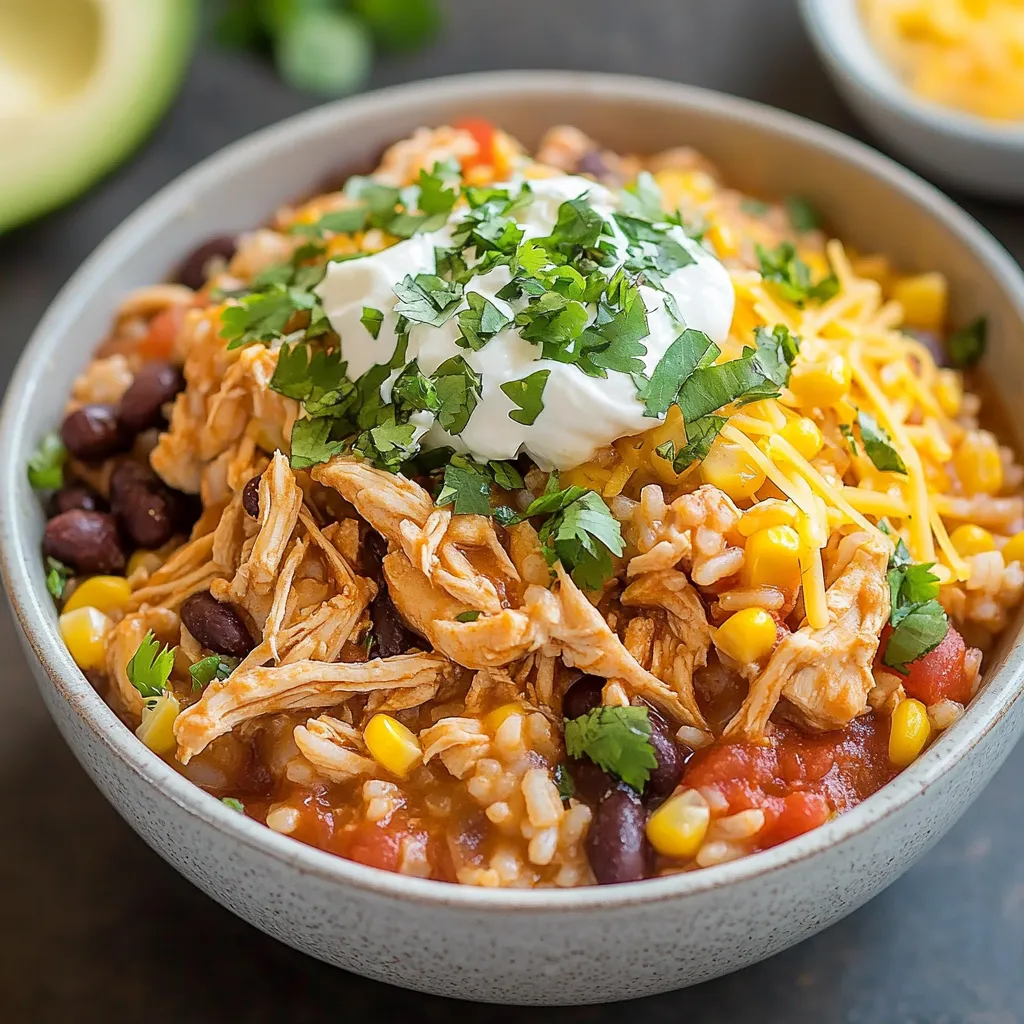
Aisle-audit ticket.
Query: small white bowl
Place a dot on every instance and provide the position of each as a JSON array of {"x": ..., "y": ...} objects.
[
  {"x": 590, "y": 944},
  {"x": 983, "y": 156}
]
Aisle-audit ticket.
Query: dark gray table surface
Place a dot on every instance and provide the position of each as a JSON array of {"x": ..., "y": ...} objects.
[{"x": 94, "y": 927}]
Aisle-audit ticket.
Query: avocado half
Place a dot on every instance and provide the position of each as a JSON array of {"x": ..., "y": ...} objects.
[{"x": 81, "y": 83}]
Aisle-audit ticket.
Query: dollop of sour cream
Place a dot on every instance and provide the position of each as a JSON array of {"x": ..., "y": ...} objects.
[{"x": 581, "y": 413}]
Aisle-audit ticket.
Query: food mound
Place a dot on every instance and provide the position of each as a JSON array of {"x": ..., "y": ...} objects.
[{"x": 533, "y": 521}]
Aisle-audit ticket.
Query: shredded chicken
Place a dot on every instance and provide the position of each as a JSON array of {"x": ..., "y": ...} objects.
[
  {"x": 459, "y": 742},
  {"x": 825, "y": 674},
  {"x": 250, "y": 692},
  {"x": 335, "y": 749}
]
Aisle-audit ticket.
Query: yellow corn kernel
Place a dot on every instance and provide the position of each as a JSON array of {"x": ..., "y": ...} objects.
[
  {"x": 724, "y": 241},
  {"x": 770, "y": 512},
  {"x": 875, "y": 267},
  {"x": 392, "y": 745},
  {"x": 589, "y": 475},
  {"x": 678, "y": 826},
  {"x": 773, "y": 559},
  {"x": 924, "y": 298},
  {"x": 909, "y": 731},
  {"x": 494, "y": 719},
  {"x": 729, "y": 468},
  {"x": 84, "y": 631},
  {"x": 1014, "y": 550},
  {"x": 747, "y": 636},
  {"x": 949, "y": 391},
  {"x": 108, "y": 593},
  {"x": 803, "y": 434},
  {"x": 143, "y": 559},
  {"x": 821, "y": 385},
  {"x": 157, "y": 728},
  {"x": 972, "y": 540},
  {"x": 678, "y": 187},
  {"x": 977, "y": 463}
]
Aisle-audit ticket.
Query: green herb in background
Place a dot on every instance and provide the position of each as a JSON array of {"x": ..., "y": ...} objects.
[{"x": 327, "y": 46}]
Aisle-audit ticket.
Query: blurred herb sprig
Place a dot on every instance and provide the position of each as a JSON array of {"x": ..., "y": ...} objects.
[{"x": 328, "y": 46}]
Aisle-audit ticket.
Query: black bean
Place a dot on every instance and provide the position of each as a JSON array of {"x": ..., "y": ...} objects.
[
  {"x": 193, "y": 271},
  {"x": 218, "y": 627},
  {"x": 251, "y": 497},
  {"x": 592, "y": 783},
  {"x": 931, "y": 341},
  {"x": 616, "y": 844},
  {"x": 92, "y": 433},
  {"x": 149, "y": 511},
  {"x": 390, "y": 636},
  {"x": 142, "y": 404},
  {"x": 75, "y": 496},
  {"x": 86, "y": 541},
  {"x": 593, "y": 162},
  {"x": 663, "y": 779},
  {"x": 584, "y": 695}
]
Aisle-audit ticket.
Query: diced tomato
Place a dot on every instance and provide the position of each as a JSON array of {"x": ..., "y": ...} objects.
[
  {"x": 158, "y": 343},
  {"x": 801, "y": 811},
  {"x": 939, "y": 675},
  {"x": 484, "y": 134},
  {"x": 378, "y": 847}
]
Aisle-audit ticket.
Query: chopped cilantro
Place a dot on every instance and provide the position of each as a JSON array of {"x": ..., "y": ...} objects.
[
  {"x": 506, "y": 475},
  {"x": 316, "y": 378},
  {"x": 467, "y": 487},
  {"x": 57, "y": 576},
  {"x": 263, "y": 316},
  {"x": 564, "y": 782},
  {"x": 919, "y": 622},
  {"x": 528, "y": 396},
  {"x": 754, "y": 207},
  {"x": 470, "y": 616},
  {"x": 878, "y": 445},
  {"x": 481, "y": 322},
  {"x": 846, "y": 429},
  {"x": 643, "y": 199},
  {"x": 311, "y": 442},
  {"x": 613, "y": 341},
  {"x": 692, "y": 350},
  {"x": 458, "y": 388},
  {"x": 46, "y": 464},
  {"x": 338, "y": 222},
  {"x": 388, "y": 444},
  {"x": 802, "y": 215},
  {"x": 439, "y": 189},
  {"x": 700, "y": 435},
  {"x": 372, "y": 319},
  {"x": 216, "y": 666},
  {"x": 427, "y": 299},
  {"x": 967, "y": 345},
  {"x": 710, "y": 388},
  {"x": 776, "y": 350},
  {"x": 150, "y": 667},
  {"x": 616, "y": 739},
  {"x": 784, "y": 269},
  {"x": 578, "y": 224},
  {"x": 235, "y": 805}
]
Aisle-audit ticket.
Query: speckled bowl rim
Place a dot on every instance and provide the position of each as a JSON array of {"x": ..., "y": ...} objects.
[
  {"x": 19, "y": 559},
  {"x": 853, "y": 57}
]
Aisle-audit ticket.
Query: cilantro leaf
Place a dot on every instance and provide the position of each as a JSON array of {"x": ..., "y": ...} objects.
[
  {"x": 846, "y": 429},
  {"x": 337, "y": 222},
  {"x": 388, "y": 444},
  {"x": 700, "y": 435},
  {"x": 919, "y": 622},
  {"x": 528, "y": 396},
  {"x": 57, "y": 576},
  {"x": 150, "y": 667},
  {"x": 564, "y": 782},
  {"x": 967, "y": 345},
  {"x": 440, "y": 188},
  {"x": 372, "y": 319},
  {"x": 643, "y": 199},
  {"x": 878, "y": 445},
  {"x": 506, "y": 475},
  {"x": 613, "y": 341},
  {"x": 617, "y": 740},
  {"x": 263, "y": 316},
  {"x": 776, "y": 350},
  {"x": 802, "y": 215},
  {"x": 470, "y": 616},
  {"x": 583, "y": 535},
  {"x": 791, "y": 277},
  {"x": 46, "y": 464},
  {"x": 754, "y": 207},
  {"x": 233, "y": 803},
  {"x": 458, "y": 388},
  {"x": 710, "y": 388},
  {"x": 216, "y": 666},
  {"x": 481, "y": 322},
  {"x": 311, "y": 442},
  {"x": 427, "y": 299},
  {"x": 316, "y": 378},
  {"x": 553, "y": 322},
  {"x": 467, "y": 487},
  {"x": 578, "y": 224},
  {"x": 690, "y": 351},
  {"x": 413, "y": 392}
]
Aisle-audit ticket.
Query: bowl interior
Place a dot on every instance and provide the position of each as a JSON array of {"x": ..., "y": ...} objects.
[{"x": 867, "y": 200}]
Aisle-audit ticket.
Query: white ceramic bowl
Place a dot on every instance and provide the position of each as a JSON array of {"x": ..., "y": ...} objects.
[
  {"x": 959, "y": 149},
  {"x": 548, "y": 946}
]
